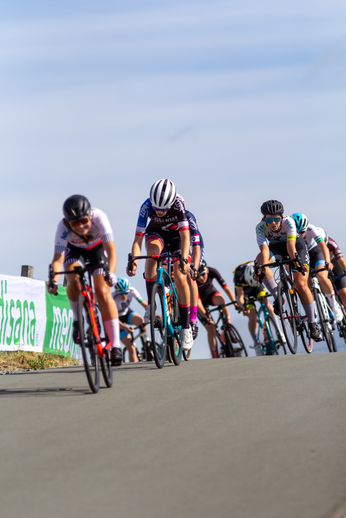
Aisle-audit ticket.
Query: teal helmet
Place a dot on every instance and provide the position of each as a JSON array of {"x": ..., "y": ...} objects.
[
  {"x": 301, "y": 221},
  {"x": 122, "y": 286}
]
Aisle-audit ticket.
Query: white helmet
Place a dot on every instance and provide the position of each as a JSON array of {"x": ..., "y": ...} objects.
[
  {"x": 248, "y": 275},
  {"x": 163, "y": 194}
]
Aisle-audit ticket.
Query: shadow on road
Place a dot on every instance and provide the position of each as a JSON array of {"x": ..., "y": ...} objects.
[{"x": 47, "y": 392}]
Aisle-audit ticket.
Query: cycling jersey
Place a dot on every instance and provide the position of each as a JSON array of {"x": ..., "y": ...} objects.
[
  {"x": 196, "y": 237},
  {"x": 313, "y": 236},
  {"x": 123, "y": 305},
  {"x": 239, "y": 276},
  {"x": 173, "y": 222},
  {"x": 287, "y": 232},
  {"x": 206, "y": 290},
  {"x": 334, "y": 248},
  {"x": 100, "y": 232}
]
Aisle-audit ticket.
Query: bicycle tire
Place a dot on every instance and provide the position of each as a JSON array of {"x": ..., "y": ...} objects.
[
  {"x": 157, "y": 326},
  {"x": 302, "y": 326},
  {"x": 241, "y": 345},
  {"x": 287, "y": 317},
  {"x": 175, "y": 342},
  {"x": 341, "y": 325},
  {"x": 88, "y": 344},
  {"x": 175, "y": 351},
  {"x": 323, "y": 318},
  {"x": 106, "y": 368},
  {"x": 187, "y": 354},
  {"x": 148, "y": 357},
  {"x": 105, "y": 360},
  {"x": 228, "y": 346},
  {"x": 275, "y": 332}
]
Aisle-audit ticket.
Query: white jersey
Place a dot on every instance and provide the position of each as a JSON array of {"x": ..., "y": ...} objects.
[
  {"x": 287, "y": 232},
  {"x": 313, "y": 236},
  {"x": 100, "y": 232},
  {"x": 123, "y": 305}
]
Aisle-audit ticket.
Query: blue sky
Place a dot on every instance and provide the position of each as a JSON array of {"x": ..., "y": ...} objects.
[{"x": 235, "y": 102}]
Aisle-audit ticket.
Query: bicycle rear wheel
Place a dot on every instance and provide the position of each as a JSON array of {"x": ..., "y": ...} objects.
[
  {"x": 324, "y": 321},
  {"x": 157, "y": 326},
  {"x": 341, "y": 325},
  {"x": 88, "y": 344},
  {"x": 237, "y": 344},
  {"x": 288, "y": 317},
  {"x": 175, "y": 349}
]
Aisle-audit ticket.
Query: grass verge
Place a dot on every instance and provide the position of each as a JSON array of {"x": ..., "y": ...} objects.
[{"x": 24, "y": 360}]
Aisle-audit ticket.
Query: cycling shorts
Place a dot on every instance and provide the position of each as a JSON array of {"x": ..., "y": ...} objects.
[
  {"x": 257, "y": 292},
  {"x": 279, "y": 251},
  {"x": 172, "y": 245},
  {"x": 337, "y": 270},
  {"x": 94, "y": 256},
  {"x": 207, "y": 300},
  {"x": 317, "y": 259},
  {"x": 125, "y": 319}
]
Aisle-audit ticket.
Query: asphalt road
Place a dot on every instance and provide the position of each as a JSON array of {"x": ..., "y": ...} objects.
[{"x": 236, "y": 438}]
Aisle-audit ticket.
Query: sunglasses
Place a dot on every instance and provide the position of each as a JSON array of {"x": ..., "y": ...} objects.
[
  {"x": 77, "y": 222},
  {"x": 276, "y": 219},
  {"x": 156, "y": 209}
]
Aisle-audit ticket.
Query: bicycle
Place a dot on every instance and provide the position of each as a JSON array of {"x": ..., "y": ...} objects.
[
  {"x": 340, "y": 325},
  {"x": 268, "y": 334},
  {"x": 93, "y": 339},
  {"x": 227, "y": 334},
  {"x": 145, "y": 354},
  {"x": 325, "y": 318},
  {"x": 292, "y": 315},
  {"x": 165, "y": 323}
]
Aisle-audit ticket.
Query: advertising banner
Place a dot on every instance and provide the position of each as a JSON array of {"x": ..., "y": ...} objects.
[
  {"x": 59, "y": 326},
  {"x": 22, "y": 314}
]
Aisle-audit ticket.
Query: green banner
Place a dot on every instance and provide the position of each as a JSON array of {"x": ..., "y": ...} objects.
[{"x": 59, "y": 326}]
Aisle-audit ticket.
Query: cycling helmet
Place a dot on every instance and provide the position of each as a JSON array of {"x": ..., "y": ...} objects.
[
  {"x": 248, "y": 275},
  {"x": 163, "y": 194},
  {"x": 202, "y": 267},
  {"x": 272, "y": 207},
  {"x": 301, "y": 221},
  {"x": 122, "y": 286},
  {"x": 76, "y": 207}
]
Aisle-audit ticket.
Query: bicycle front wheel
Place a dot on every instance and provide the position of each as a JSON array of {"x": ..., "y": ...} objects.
[
  {"x": 279, "y": 343},
  {"x": 187, "y": 354},
  {"x": 88, "y": 344},
  {"x": 324, "y": 321},
  {"x": 157, "y": 326},
  {"x": 288, "y": 317}
]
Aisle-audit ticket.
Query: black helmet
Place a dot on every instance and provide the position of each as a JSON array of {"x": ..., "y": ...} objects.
[
  {"x": 202, "y": 267},
  {"x": 76, "y": 207},
  {"x": 272, "y": 207}
]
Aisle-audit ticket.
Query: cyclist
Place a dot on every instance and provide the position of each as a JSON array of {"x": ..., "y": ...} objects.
[
  {"x": 168, "y": 229},
  {"x": 277, "y": 237},
  {"x": 197, "y": 254},
  {"x": 337, "y": 264},
  {"x": 208, "y": 295},
  {"x": 246, "y": 287},
  {"x": 319, "y": 256},
  {"x": 85, "y": 234},
  {"x": 123, "y": 295}
]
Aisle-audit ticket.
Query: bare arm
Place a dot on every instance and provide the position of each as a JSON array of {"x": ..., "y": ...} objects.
[
  {"x": 111, "y": 254},
  {"x": 136, "y": 250}
]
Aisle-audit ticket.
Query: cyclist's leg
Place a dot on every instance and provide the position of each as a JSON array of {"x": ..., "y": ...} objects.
[
  {"x": 269, "y": 281},
  {"x": 154, "y": 246},
  {"x": 211, "y": 330},
  {"x": 183, "y": 295},
  {"x": 73, "y": 257},
  {"x": 217, "y": 300}
]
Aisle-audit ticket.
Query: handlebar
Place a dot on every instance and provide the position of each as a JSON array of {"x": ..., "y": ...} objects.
[
  {"x": 159, "y": 258},
  {"x": 297, "y": 259}
]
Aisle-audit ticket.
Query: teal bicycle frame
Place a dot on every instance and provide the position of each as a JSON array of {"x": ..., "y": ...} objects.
[
  {"x": 167, "y": 324},
  {"x": 264, "y": 321}
]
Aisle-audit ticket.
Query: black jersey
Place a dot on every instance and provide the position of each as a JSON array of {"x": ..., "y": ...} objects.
[{"x": 207, "y": 287}]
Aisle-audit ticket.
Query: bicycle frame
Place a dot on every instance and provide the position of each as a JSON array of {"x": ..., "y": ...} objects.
[
  {"x": 88, "y": 292},
  {"x": 262, "y": 323}
]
